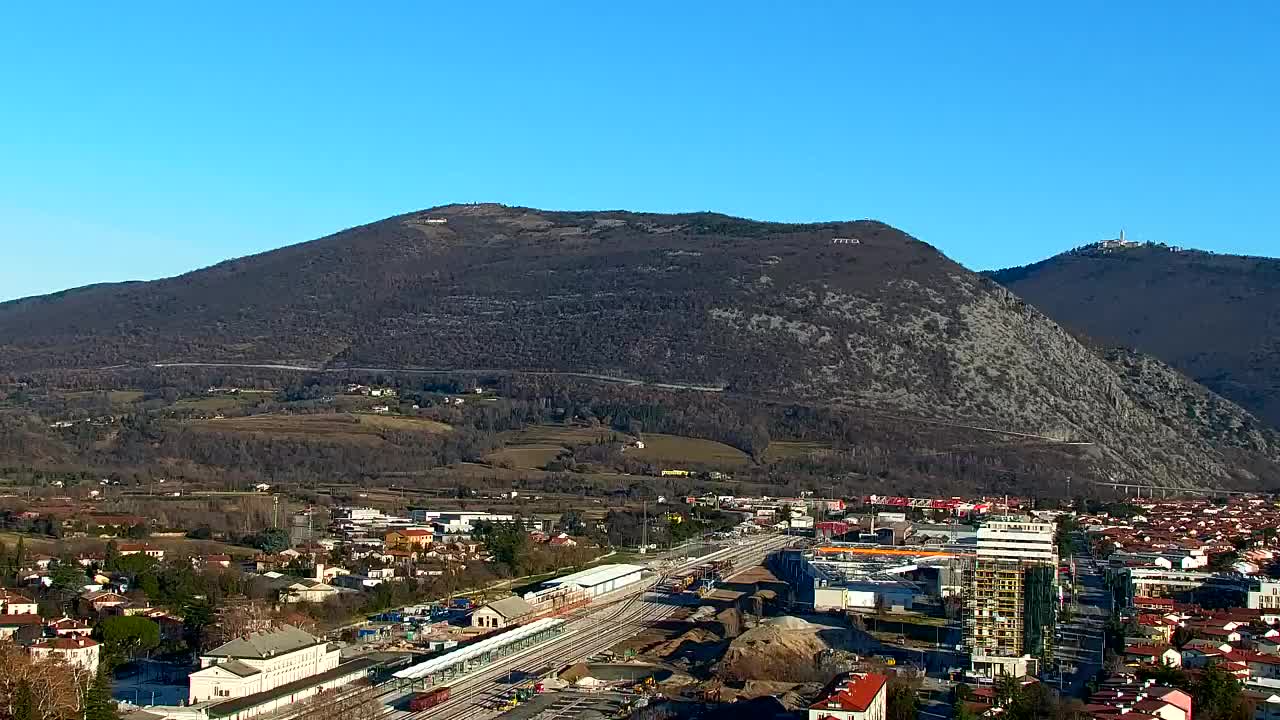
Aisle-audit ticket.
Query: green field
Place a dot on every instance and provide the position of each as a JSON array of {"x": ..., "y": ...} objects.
[{"x": 342, "y": 427}]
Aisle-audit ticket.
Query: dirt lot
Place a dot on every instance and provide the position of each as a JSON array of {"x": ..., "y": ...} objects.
[{"x": 781, "y": 649}]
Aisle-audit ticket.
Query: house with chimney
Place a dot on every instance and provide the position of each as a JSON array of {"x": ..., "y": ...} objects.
[{"x": 861, "y": 696}]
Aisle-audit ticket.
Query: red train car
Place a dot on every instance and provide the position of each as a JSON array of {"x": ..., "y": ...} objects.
[{"x": 425, "y": 700}]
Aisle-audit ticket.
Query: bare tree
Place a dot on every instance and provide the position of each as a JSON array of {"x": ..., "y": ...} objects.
[
  {"x": 47, "y": 689},
  {"x": 237, "y": 620}
]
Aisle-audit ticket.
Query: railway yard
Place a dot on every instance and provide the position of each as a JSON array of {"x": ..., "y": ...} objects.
[{"x": 489, "y": 687}]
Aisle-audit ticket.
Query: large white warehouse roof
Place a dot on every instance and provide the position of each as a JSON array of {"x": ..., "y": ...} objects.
[
  {"x": 596, "y": 575},
  {"x": 477, "y": 649}
]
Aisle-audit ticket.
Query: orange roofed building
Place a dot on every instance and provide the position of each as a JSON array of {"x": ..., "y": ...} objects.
[
  {"x": 864, "y": 696},
  {"x": 409, "y": 539}
]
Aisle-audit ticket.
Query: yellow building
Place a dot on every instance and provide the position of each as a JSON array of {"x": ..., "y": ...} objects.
[{"x": 408, "y": 539}]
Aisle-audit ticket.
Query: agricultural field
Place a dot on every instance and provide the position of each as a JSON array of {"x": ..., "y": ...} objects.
[
  {"x": 116, "y": 397},
  {"x": 558, "y": 435},
  {"x": 537, "y": 445},
  {"x": 215, "y": 403},
  {"x": 782, "y": 449},
  {"x": 677, "y": 448},
  {"x": 341, "y": 427},
  {"x": 177, "y": 546},
  {"x": 530, "y": 457}
]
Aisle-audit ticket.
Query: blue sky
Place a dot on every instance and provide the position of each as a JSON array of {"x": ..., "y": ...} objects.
[{"x": 138, "y": 141}]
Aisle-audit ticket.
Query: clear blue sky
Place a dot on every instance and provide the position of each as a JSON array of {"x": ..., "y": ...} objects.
[{"x": 138, "y": 141}]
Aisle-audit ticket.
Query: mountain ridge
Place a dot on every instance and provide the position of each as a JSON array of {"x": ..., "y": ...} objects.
[
  {"x": 844, "y": 312},
  {"x": 1213, "y": 316}
]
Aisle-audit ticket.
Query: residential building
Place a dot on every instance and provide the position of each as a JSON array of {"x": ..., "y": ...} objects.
[
  {"x": 260, "y": 662},
  {"x": 864, "y": 696},
  {"x": 103, "y": 601},
  {"x": 20, "y": 627},
  {"x": 70, "y": 627},
  {"x": 14, "y": 603},
  {"x": 1153, "y": 655},
  {"x": 1264, "y": 595},
  {"x": 305, "y": 590},
  {"x": 77, "y": 651},
  {"x": 141, "y": 549},
  {"x": 1012, "y": 596}
]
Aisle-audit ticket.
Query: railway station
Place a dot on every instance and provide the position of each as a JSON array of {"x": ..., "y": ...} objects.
[{"x": 463, "y": 660}]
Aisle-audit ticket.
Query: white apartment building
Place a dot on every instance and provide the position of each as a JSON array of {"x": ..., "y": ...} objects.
[
  {"x": 1264, "y": 595},
  {"x": 260, "y": 662},
  {"x": 79, "y": 651}
]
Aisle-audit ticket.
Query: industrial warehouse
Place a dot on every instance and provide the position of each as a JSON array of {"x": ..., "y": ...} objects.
[{"x": 601, "y": 580}]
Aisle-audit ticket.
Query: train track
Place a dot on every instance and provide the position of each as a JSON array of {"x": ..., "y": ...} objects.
[{"x": 478, "y": 695}]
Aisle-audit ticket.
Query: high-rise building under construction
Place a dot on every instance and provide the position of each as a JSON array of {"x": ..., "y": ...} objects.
[{"x": 1012, "y": 599}]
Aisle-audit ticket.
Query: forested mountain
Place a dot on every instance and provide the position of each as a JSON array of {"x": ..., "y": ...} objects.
[
  {"x": 842, "y": 314},
  {"x": 1214, "y": 317}
]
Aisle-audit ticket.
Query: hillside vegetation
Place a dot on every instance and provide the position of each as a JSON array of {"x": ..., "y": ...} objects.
[{"x": 853, "y": 316}]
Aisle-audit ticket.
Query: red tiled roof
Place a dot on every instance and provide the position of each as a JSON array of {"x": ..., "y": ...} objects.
[
  {"x": 66, "y": 643},
  {"x": 1260, "y": 658},
  {"x": 856, "y": 696},
  {"x": 1152, "y": 650},
  {"x": 21, "y": 619}
]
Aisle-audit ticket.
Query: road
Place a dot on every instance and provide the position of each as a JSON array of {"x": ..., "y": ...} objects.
[
  {"x": 427, "y": 371},
  {"x": 1080, "y": 640}
]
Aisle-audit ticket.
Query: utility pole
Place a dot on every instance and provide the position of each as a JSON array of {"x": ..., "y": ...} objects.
[{"x": 644, "y": 527}]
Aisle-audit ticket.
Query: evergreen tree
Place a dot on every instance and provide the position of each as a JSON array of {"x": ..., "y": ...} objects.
[
  {"x": 24, "y": 705},
  {"x": 98, "y": 703},
  {"x": 111, "y": 557}
]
